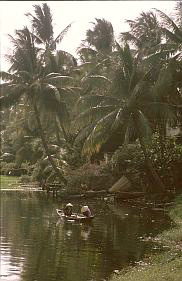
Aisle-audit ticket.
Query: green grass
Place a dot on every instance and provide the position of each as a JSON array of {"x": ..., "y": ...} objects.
[
  {"x": 164, "y": 270},
  {"x": 8, "y": 182},
  {"x": 166, "y": 266}
]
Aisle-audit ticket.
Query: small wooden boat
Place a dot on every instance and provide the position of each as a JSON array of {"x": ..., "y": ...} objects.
[{"x": 74, "y": 217}]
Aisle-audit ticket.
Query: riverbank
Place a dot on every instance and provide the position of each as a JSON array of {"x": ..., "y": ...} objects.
[
  {"x": 14, "y": 183},
  {"x": 164, "y": 266},
  {"x": 9, "y": 181}
]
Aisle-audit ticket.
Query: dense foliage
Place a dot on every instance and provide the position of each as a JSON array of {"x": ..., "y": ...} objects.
[{"x": 122, "y": 98}]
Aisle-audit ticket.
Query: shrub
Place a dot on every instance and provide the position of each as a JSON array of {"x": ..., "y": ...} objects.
[
  {"x": 95, "y": 177},
  {"x": 7, "y": 168},
  {"x": 25, "y": 179},
  {"x": 167, "y": 161}
]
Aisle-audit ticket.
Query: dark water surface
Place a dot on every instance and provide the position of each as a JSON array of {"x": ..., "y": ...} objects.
[{"x": 37, "y": 246}]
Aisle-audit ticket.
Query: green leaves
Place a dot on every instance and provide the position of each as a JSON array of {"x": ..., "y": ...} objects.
[
  {"x": 50, "y": 89},
  {"x": 58, "y": 79},
  {"x": 12, "y": 94},
  {"x": 42, "y": 23},
  {"x": 99, "y": 134},
  {"x": 102, "y": 36},
  {"x": 61, "y": 35},
  {"x": 143, "y": 125},
  {"x": 43, "y": 27},
  {"x": 95, "y": 81},
  {"x": 6, "y": 76}
]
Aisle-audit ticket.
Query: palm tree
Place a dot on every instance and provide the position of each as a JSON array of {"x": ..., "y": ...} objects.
[
  {"x": 124, "y": 108},
  {"x": 101, "y": 38},
  {"x": 178, "y": 13},
  {"x": 144, "y": 34},
  {"x": 96, "y": 49},
  {"x": 170, "y": 29},
  {"x": 168, "y": 84},
  {"x": 95, "y": 53},
  {"x": 43, "y": 28},
  {"x": 29, "y": 80},
  {"x": 158, "y": 43},
  {"x": 57, "y": 61},
  {"x": 62, "y": 65}
]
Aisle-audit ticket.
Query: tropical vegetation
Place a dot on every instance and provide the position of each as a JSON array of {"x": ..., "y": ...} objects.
[{"x": 63, "y": 114}]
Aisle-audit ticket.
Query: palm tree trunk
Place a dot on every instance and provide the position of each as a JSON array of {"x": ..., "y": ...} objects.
[
  {"x": 161, "y": 130},
  {"x": 153, "y": 172},
  {"x": 64, "y": 132},
  {"x": 45, "y": 145},
  {"x": 57, "y": 133}
]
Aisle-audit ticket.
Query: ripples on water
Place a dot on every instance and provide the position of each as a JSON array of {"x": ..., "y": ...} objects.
[{"x": 37, "y": 246}]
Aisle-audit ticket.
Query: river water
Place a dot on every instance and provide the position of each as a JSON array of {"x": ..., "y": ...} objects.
[{"x": 37, "y": 246}]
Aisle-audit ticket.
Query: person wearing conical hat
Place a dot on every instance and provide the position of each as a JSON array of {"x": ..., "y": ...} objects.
[
  {"x": 86, "y": 211},
  {"x": 68, "y": 209}
]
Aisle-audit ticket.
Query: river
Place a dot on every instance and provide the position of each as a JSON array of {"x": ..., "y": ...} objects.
[{"x": 36, "y": 245}]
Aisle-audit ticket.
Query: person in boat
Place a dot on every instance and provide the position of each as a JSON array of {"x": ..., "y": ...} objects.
[
  {"x": 68, "y": 210},
  {"x": 86, "y": 211}
]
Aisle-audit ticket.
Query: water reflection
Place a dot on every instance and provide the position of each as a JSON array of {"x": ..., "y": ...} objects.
[
  {"x": 37, "y": 245},
  {"x": 85, "y": 231}
]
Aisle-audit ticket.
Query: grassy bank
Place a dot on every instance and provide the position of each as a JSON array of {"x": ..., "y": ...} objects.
[
  {"x": 8, "y": 182},
  {"x": 165, "y": 266}
]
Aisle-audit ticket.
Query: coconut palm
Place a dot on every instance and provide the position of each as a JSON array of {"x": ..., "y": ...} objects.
[
  {"x": 178, "y": 13},
  {"x": 171, "y": 38},
  {"x": 97, "y": 47},
  {"x": 43, "y": 27},
  {"x": 126, "y": 108},
  {"x": 95, "y": 53},
  {"x": 63, "y": 64},
  {"x": 101, "y": 37},
  {"x": 168, "y": 84},
  {"x": 28, "y": 80},
  {"x": 170, "y": 29},
  {"x": 56, "y": 61},
  {"x": 144, "y": 33},
  {"x": 158, "y": 42}
]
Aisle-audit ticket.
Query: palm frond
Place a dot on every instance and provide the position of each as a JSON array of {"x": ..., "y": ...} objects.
[
  {"x": 143, "y": 125},
  {"x": 160, "y": 111},
  {"x": 59, "y": 80},
  {"x": 12, "y": 95},
  {"x": 138, "y": 89},
  {"x": 25, "y": 56},
  {"x": 127, "y": 37},
  {"x": 120, "y": 84},
  {"x": 157, "y": 57},
  {"x": 61, "y": 35},
  {"x": 95, "y": 81},
  {"x": 37, "y": 38},
  {"x": 121, "y": 118},
  {"x": 163, "y": 84},
  {"x": 176, "y": 37},
  {"x": 6, "y": 76},
  {"x": 83, "y": 133},
  {"x": 102, "y": 36},
  {"x": 86, "y": 66},
  {"x": 87, "y": 54},
  {"x": 99, "y": 134},
  {"x": 94, "y": 100},
  {"x": 50, "y": 89},
  {"x": 42, "y": 22},
  {"x": 93, "y": 114},
  {"x": 167, "y": 21},
  {"x": 65, "y": 59}
]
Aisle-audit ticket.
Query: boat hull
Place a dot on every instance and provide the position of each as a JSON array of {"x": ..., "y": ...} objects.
[{"x": 74, "y": 217}]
